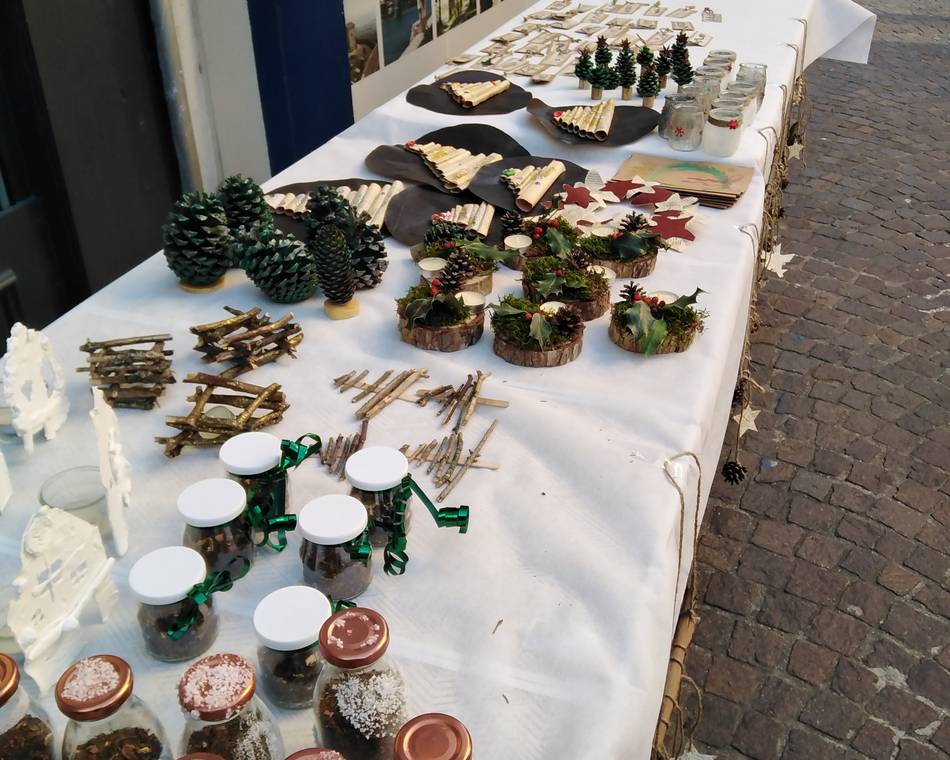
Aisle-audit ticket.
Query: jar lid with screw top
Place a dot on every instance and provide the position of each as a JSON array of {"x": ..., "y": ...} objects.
[
  {"x": 290, "y": 618},
  {"x": 9, "y": 678},
  {"x": 250, "y": 453},
  {"x": 354, "y": 638},
  {"x": 376, "y": 468},
  {"x": 216, "y": 687},
  {"x": 94, "y": 688},
  {"x": 332, "y": 519},
  {"x": 212, "y": 502},
  {"x": 166, "y": 575},
  {"x": 433, "y": 736},
  {"x": 316, "y": 754}
]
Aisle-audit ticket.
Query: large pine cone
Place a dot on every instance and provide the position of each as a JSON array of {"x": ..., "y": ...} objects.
[
  {"x": 458, "y": 268},
  {"x": 334, "y": 270},
  {"x": 197, "y": 239},
  {"x": 244, "y": 203},
  {"x": 281, "y": 266}
]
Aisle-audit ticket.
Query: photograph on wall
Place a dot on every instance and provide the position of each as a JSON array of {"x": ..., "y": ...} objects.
[
  {"x": 362, "y": 38},
  {"x": 451, "y": 13},
  {"x": 407, "y": 25}
]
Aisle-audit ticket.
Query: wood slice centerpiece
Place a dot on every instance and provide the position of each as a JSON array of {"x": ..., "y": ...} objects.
[
  {"x": 446, "y": 338},
  {"x": 636, "y": 268},
  {"x": 671, "y": 344},
  {"x": 587, "y": 309},
  {"x": 553, "y": 356}
]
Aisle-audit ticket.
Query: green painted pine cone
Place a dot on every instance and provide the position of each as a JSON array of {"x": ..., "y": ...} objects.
[
  {"x": 334, "y": 270},
  {"x": 280, "y": 265},
  {"x": 327, "y": 206},
  {"x": 197, "y": 239},
  {"x": 244, "y": 203}
]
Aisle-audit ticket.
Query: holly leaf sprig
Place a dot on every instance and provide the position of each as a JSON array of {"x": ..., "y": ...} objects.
[
  {"x": 555, "y": 281},
  {"x": 539, "y": 329},
  {"x": 645, "y": 318}
]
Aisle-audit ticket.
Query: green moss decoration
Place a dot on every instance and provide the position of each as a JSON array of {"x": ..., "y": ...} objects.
[
  {"x": 426, "y": 306},
  {"x": 555, "y": 279},
  {"x": 653, "y": 322},
  {"x": 522, "y": 323}
]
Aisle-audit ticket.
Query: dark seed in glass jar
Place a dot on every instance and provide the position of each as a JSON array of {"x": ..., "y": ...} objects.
[
  {"x": 289, "y": 678},
  {"x": 221, "y": 545},
  {"x": 333, "y": 571},
  {"x": 157, "y": 619},
  {"x": 241, "y": 738},
  {"x": 29, "y": 739},
  {"x": 125, "y": 743}
]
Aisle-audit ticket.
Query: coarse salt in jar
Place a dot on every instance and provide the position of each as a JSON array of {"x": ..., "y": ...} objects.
[
  {"x": 434, "y": 736},
  {"x": 175, "y": 626},
  {"x": 106, "y": 720},
  {"x": 334, "y": 559},
  {"x": 216, "y": 523},
  {"x": 316, "y": 753},
  {"x": 375, "y": 475},
  {"x": 360, "y": 701},
  {"x": 223, "y": 715},
  {"x": 723, "y": 132},
  {"x": 25, "y": 731},
  {"x": 287, "y": 623}
]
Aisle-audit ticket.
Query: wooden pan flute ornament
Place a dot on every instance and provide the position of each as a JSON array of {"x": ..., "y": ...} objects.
[
  {"x": 248, "y": 339},
  {"x": 445, "y": 460},
  {"x": 380, "y": 393},
  {"x": 129, "y": 375},
  {"x": 211, "y": 422},
  {"x": 459, "y": 402}
]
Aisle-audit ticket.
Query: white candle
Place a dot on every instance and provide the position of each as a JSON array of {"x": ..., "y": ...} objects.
[
  {"x": 606, "y": 272},
  {"x": 474, "y": 301},
  {"x": 551, "y": 307},
  {"x": 602, "y": 230},
  {"x": 517, "y": 242},
  {"x": 432, "y": 266}
]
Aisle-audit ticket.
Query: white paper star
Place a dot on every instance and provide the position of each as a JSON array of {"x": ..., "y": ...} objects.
[
  {"x": 686, "y": 205},
  {"x": 746, "y": 419},
  {"x": 777, "y": 260},
  {"x": 795, "y": 150}
]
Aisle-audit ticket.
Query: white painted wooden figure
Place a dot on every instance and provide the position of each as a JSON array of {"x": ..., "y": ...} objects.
[
  {"x": 32, "y": 385},
  {"x": 6, "y": 487},
  {"x": 114, "y": 469},
  {"x": 65, "y": 581}
]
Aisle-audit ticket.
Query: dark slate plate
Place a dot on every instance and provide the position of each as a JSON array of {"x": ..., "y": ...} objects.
[
  {"x": 398, "y": 163},
  {"x": 297, "y": 227},
  {"x": 434, "y": 98},
  {"x": 409, "y": 214},
  {"x": 629, "y": 125},
  {"x": 488, "y": 186}
]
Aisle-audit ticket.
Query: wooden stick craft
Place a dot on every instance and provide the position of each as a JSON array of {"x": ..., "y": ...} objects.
[{"x": 131, "y": 378}]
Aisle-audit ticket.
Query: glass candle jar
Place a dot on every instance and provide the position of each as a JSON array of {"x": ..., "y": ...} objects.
[
  {"x": 709, "y": 88},
  {"x": 223, "y": 715},
  {"x": 287, "y": 623},
  {"x": 375, "y": 474},
  {"x": 663, "y": 128},
  {"x": 757, "y": 74},
  {"x": 750, "y": 90},
  {"x": 715, "y": 71},
  {"x": 686, "y": 126},
  {"x": 216, "y": 523},
  {"x": 434, "y": 736},
  {"x": 106, "y": 720},
  {"x": 252, "y": 460},
  {"x": 25, "y": 731},
  {"x": 360, "y": 701},
  {"x": 737, "y": 101},
  {"x": 80, "y": 492},
  {"x": 332, "y": 527},
  {"x": 725, "y": 58},
  {"x": 175, "y": 627},
  {"x": 723, "y": 132}
]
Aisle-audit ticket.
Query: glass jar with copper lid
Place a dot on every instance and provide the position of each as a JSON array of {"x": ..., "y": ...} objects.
[
  {"x": 360, "y": 701},
  {"x": 375, "y": 475},
  {"x": 287, "y": 622},
  {"x": 106, "y": 720},
  {"x": 216, "y": 522},
  {"x": 223, "y": 714},
  {"x": 433, "y": 736},
  {"x": 316, "y": 753},
  {"x": 25, "y": 732}
]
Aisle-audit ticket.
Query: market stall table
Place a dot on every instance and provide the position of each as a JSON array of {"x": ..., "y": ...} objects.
[{"x": 546, "y": 628}]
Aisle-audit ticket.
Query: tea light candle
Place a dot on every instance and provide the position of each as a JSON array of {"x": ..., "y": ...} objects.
[
  {"x": 551, "y": 307},
  {"x": 474, "y": 301},
  {"x": 218, "y": 413},
  {"x": 517, "y": 242},
  {"x": 431, "y": 267},
  {"x": 602, "y": 230},
  {"x": 664, "y": 295},
  {"x": 722, "y": 132},
  {"x": 606, "y": 272}
]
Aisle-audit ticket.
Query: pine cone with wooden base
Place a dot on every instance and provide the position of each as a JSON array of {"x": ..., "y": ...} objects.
[
  {"x": 244, "y": 204},
  {"x": 280, "y": 265},
  {"x": 334, "y": 269}
]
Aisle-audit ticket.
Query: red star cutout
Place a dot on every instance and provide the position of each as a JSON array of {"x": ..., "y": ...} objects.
[
  {"x": 668, "y": 224},
  {"x": 621, "y": 187},
  {"x": 648, "y": 199},
  {"x": 579, "y": 195}
]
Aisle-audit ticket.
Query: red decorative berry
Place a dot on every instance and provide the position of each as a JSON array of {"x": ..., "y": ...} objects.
[
  {"x": 527, "y": 316},
  {"x": 448, "y": 244},
  {"x": 557, "y": 114},
  {"x": 433, "y": 291},
  {"x": 410, "y": 143},
  {"x": 553, "y": 223},
  {"x": 733, "y": 124},
  {"x": 536, "y": 236},
  {"x": 637, "y": 297},
  {"x": 436, "y": 281},
  {"x": 538, "y": 230}
]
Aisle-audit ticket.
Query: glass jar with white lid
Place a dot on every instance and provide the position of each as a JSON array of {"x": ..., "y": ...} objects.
[
  {"x": 335, "y": 551},
  {"x": 375, "y": 475},
  {"x": 216, "y": 522},
  {"x": 253, "y": 460}
]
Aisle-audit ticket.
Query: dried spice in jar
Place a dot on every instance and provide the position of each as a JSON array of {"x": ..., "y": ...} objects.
[
  {"x": 216, "y": 522},
  {"x": 223, "y": 715},
  {"x": 175, "y": 624},
  {"x": 106, "y": 720},
  {"x": 360, "y": 701},
  {"x": 375, "y": 475},
  {"x": 316, "y": 753},
  {"x": 287, "y": 623},
  {"x": 335, "y": 552},
  {"x": 253, "y": 460},
  {"x": 25, "y": 732},
  {"x": 434, "y": 736}
]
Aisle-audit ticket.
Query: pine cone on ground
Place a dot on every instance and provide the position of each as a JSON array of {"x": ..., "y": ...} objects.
[
  {"x": 334, "y": 270},
  {"x": 244, "y": 203},
  {"x": 458, "y": 268},
  {"x": 197, "y": 239},
  {"x": 280, "y": 265}
]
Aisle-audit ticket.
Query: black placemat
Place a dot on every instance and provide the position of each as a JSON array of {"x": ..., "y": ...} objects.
[
  {"x": 433, "y": 98},
  {"x": 409, "y": 214},
  {"x": 488, "y": 186},
  {"x": 630, "y": 123}
]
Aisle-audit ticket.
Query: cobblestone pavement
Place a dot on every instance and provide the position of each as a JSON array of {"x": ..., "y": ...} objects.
[{"x": 825, "y": 576}]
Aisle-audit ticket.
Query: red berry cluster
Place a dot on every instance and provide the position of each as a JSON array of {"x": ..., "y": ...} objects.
[
  {"x": 435, "y": 287},
  {"x": 448, "y": 244},
  {"x": 536, "y": 234}
]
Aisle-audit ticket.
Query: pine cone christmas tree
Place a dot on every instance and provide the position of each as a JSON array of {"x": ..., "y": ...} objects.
[
  {"x": 584, "y": 66},
  {"x": 244, "y": 203},
  {"x": 280, "y": 265},
  {"x": 327, "y": 206},
  {"x": 634, "y": 222},
  {"x": 664, "y": 63},
  {"x": 626, "y": 71},
  {"x": 678, "y": 51},
  {"x": 334, "y": 270},
  {"x": 682, "y": 69},
  {"x": 603, "y": 56},
  {"x": 648, "y": 86},
  {"x": 197, "y": 239},
  {"x": 458, "y": 268},
  {"x": 645, "y": 56}
]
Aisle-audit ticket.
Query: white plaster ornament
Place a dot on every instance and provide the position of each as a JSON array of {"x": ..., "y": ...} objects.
[
  {"x": 32, "y": 386},
  {"x": 6, "y": 487},
  {"x": 776, "y": 260},
  {"x": 746, "y": 420},
  {"x": 65, "y": 582},
  {"x": 115, "y": 472}
]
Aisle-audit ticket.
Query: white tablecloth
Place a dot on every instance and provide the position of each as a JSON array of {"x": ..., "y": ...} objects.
[{"x": 546, "y": 628}]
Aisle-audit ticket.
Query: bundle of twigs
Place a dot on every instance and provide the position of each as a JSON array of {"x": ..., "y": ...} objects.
[{"x": 128, "y": 377}]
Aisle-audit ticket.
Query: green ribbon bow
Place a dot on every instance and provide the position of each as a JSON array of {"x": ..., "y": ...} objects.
[
  {"x": 395, "y": 557},
  {"x": 267, "y": 500},
  {"x": 201, "y": 593},
  {"x": 360, "y": 547},
  {"x": 342, "y": 604}
]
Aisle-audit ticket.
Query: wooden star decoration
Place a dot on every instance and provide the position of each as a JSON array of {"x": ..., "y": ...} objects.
[
  {"x": 746, "y": 419},
  {"x": 777, "y": 260},
  {"x": 669, "y": 225},
  {"x": 795, "y": 150}
]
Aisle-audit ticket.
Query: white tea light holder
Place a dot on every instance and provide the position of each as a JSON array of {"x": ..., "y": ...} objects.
[
  {"x": 115, "y": 472},
  {"x": 474, "y": 301},
  {"x": 551, "y": 307},
  {"x": 518, "y": 242},
  {"x": 606, "y": 272},
  {"x": 431, "y": 267},
  {"x": 65, "y": 582},
  {"x": 32, "y": 386}
]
